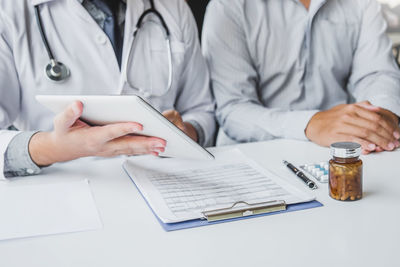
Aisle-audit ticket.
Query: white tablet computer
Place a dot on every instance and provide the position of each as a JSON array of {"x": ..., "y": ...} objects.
[{"x": 102, "y": 110}]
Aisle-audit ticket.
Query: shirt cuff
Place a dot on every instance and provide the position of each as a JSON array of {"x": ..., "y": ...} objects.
[
  {"x": 295, "y": 124},
  {"x": 390, "y": 103},
  {"x": 200, "y": 132},
  {"x": 17, "y": 160}
]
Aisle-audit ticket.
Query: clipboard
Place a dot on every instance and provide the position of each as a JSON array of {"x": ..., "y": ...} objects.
[{"x": 228, "y": 215}]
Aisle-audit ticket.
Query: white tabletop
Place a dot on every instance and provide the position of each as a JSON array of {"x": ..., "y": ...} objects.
[{"x": 362, "y": 233}]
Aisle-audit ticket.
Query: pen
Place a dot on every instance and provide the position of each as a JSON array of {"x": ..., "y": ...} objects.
[{"x": 301, "y": 175}]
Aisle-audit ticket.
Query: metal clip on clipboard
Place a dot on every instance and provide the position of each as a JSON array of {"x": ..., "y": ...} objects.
[{"x": 237, "y": 210}]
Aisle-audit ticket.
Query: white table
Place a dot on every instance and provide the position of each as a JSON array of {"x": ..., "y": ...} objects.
[{"x": 363, "y": 233}]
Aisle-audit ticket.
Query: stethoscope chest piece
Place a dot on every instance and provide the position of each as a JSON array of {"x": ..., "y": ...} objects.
[{"x": 57, "y": 71}]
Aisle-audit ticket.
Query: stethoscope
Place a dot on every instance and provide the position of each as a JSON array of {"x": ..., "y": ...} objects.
[
  {"x": 58, "y": 72},
  {"x": 55, "y": 70}
]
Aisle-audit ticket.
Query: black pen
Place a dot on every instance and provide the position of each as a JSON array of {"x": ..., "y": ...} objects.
[{"x": 301, "y": 175}]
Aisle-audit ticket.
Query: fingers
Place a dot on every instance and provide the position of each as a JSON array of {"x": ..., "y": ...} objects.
[
  {"x": 394, "y": 120},
  {"x": 67, "y": 118},
  {"x": 368, "y": 135},
  {"x": 190, "y": 131},
  {"x": 387, "y": 120},
  {"x": 174, "y": 117},
  {"x": 365, "y": 113},
  {"x": 374, "y": 127},
  {"x": 378, "y": 150},
  {"x": 134, "y": 145},
  {"x": 377, "y": 120},
  {"x": 145, "y": 145},
  {"x": 170, "y": 115},
  {"x": 366, "y": 146},
  {"x": 117, "y": 130},
  {"x": 396, "y": 134},
  {"x": 369, "y": 106}
]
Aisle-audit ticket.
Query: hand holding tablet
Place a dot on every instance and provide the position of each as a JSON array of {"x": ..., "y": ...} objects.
[{"x": 112, "y": 110}]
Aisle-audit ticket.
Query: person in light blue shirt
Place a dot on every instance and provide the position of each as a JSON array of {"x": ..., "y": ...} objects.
[{"x": 319, "y": 70}]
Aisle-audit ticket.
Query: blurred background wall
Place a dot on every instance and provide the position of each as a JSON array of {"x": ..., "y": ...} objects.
[{"x": 391, "y": 11}]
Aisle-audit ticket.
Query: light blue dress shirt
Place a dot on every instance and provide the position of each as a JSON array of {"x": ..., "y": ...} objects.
[{"x": 274, "y": 64}]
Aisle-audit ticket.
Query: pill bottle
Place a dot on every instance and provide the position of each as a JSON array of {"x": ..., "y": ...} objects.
[{"x": 345, "y": 172}]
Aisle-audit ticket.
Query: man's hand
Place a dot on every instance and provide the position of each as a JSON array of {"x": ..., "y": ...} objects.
[
  {"x": 72, "y": 139},
  {"x": 174, "y": 117},
  {"x": 385, "y": 113},
  {"x": 374, "y": 128}
]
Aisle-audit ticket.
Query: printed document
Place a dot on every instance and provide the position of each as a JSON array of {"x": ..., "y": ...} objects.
[
  {"x": 45, "y": 209},
  {"x": 179, "y": 190}
]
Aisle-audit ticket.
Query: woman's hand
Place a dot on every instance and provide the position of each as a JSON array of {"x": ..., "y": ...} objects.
[{"x": 72, "y": 139}]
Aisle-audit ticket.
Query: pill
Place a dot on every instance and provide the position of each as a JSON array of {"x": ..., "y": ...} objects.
[{"x": 324, "y": 178}]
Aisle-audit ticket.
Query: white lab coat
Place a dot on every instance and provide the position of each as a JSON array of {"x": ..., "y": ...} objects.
[{"x": 77, "y": 41}]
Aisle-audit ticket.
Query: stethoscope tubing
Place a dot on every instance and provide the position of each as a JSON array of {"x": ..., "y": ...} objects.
[
  {"x": 65, "y": 73},
  {"x": 139, "y": 24},
  {"x": 42, "y": 34}
]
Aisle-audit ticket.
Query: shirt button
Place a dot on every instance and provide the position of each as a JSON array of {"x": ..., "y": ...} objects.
[
  {"x": 101, "y": 39},
  {"x": 30, "y": 171}
]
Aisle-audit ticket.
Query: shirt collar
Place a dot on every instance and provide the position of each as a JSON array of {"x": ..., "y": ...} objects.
[{"x": 315, "y": 6}]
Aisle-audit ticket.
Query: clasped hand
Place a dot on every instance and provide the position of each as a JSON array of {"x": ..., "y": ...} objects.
[{"x": 374, "y": 128}]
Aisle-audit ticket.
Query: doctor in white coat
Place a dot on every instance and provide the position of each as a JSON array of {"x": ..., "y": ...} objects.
[{"x": 95, "y": 64}]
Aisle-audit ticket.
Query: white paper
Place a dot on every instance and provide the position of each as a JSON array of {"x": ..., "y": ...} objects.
[
  {"x": 33, "y": 210},
  {"x": 179, "y": 190}
]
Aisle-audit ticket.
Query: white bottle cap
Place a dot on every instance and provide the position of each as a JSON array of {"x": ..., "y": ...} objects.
[{"x": 345, "y": 150}]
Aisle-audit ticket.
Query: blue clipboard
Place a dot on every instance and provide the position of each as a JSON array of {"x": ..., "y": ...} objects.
[
  {"x": 201, "y": 222},
  {"x": 168, "y": 227}
]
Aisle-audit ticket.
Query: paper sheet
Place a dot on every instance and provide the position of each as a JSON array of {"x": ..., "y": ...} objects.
[
  {"x": 180, "y": 190},
  {"x": 33, "y": 210}
]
